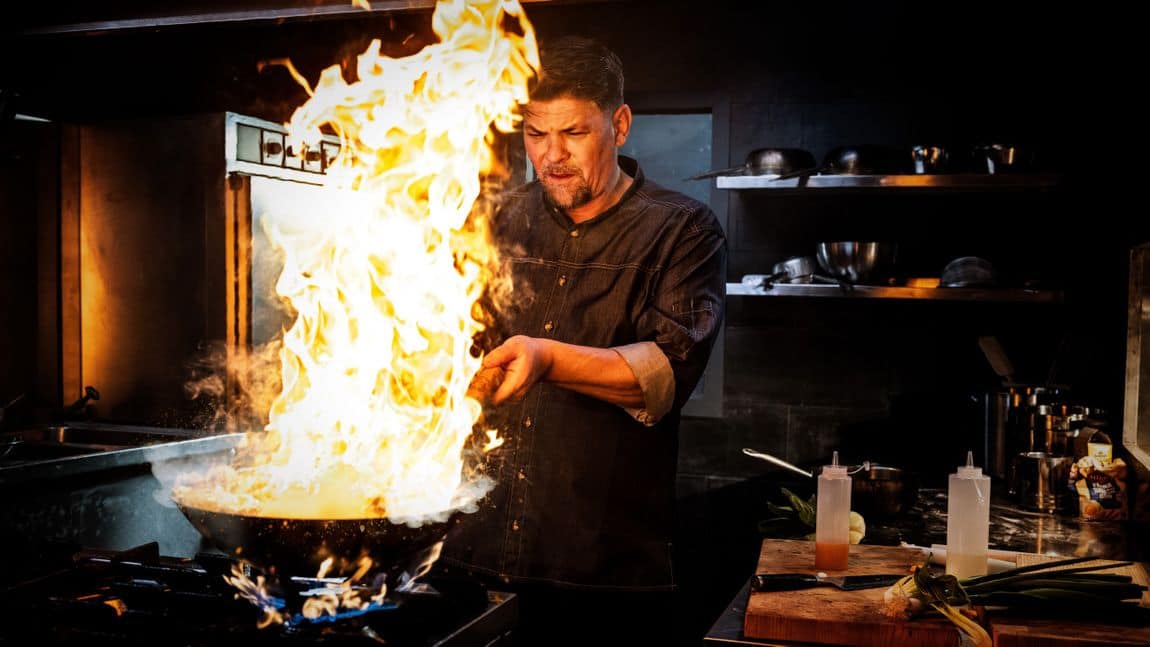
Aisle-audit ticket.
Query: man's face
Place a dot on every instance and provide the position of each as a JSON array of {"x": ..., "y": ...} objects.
[{"x": 572, "y": 144}]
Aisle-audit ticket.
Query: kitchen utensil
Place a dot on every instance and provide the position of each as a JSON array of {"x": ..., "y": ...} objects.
[
  {"x": 797, "y": 269},
  {"x": 299, "y": 546},
  {"x": 764, "y": 582},
  {"x": 855, "y": 261},
  {"x": 866, "y": 159},
  {"x": 966, "y": 272},
  {"x": 766, "y": 161},
  {"x": 777, "y": 461},
  {"x": 1002, "y": 158},
  {"x": 826, "y": 615},
  {"x": 79, "y": 407},
  {"x": 8, "y": 407},
  {"x": 997, "y": 358},
  {"x": 1038, "y": 481},
  {"x": 882, "y": 491},
  {"x": 929, "y": 159}
]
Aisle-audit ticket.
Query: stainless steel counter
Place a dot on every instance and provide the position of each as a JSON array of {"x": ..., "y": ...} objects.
[
  {"x": 98, "y": 486},
  {"x": 83, "y": 448},
  {"x": 1015, "y": 528}
]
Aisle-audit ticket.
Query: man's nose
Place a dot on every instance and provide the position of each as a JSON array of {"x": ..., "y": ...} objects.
[{"x": 556, "y": 150}]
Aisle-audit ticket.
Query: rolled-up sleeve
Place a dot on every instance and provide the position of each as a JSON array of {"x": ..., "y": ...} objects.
[
  {"x": 656, "y": 379},
  {"x": 686, "y": 313}
]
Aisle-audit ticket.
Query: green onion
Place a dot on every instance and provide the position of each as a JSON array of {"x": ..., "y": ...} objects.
[{"x": 1047, "y": 590}]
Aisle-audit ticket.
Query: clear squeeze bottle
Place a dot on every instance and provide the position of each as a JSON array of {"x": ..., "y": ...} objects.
[
  {"x": 832, "y": 517},
  {"x": 967, "y": 520}
]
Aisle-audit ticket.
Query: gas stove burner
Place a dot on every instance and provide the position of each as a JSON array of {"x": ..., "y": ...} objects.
[{"x": 139, "y": 597}]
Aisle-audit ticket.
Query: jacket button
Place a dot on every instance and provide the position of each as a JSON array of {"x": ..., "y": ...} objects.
[
  {"x": 574, "y": 233},
  {"x": 562, "y": 280},
  {"x": 548, "y": 326},
  {"x": 527, "y": 422}
]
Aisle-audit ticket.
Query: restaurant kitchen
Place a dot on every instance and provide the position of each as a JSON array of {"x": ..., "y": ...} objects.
[{"x": 127, "y": 179}]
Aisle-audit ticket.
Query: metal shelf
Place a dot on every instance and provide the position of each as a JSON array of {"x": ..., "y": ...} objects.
[
  {"x": 827, "y": 290},
  {"x": 954, "y": 181}
]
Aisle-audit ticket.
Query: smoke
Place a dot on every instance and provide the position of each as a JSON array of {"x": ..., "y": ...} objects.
[{"x": 241, "y": 384}]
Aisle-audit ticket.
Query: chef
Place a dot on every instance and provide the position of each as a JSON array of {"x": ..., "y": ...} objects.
[{"x": 618, "y": 297}]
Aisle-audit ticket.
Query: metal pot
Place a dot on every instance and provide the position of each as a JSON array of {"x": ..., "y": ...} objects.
[
  {"x": 300, "y": 546},
  {"x": 767, "y": 161},
  {"x": 856, "y": 261},
  {"x": 797, "y": 269},
  {"x": 883, "y": 491}
]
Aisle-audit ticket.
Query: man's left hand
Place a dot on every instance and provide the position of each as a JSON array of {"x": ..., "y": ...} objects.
[{"x": 525, "y": 361}]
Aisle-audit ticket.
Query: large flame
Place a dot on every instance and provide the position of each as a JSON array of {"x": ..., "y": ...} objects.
[{"x": 374, "y": 414}]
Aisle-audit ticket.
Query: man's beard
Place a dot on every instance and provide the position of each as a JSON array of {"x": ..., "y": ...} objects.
[{"x": 577, "y": 196}]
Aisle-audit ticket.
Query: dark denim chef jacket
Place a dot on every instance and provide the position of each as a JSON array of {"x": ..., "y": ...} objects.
[{"x": 585, "y": 492}]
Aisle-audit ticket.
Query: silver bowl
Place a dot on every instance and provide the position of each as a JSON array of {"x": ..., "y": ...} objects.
[{"x": 855, "y": 261}]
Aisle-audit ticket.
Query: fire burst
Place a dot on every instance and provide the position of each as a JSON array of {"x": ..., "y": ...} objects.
[{"x": 374, "y": 414}]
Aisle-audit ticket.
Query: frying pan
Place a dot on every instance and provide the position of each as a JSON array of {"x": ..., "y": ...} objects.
[
  {"x": 299, "y": 546},
  {"x": 766, "y": 161}
]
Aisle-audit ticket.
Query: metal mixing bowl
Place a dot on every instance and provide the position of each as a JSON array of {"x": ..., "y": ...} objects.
[{"x": 855, "y": 261}]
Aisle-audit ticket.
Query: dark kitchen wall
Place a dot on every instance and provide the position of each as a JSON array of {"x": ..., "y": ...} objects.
[{"x": 29, "y": 343}]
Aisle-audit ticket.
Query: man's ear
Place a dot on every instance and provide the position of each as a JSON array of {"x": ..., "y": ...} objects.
[{"x": 621, "y": 122}]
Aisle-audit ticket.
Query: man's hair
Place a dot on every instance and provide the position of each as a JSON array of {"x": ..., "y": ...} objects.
[{"x": 581, "y": 68}]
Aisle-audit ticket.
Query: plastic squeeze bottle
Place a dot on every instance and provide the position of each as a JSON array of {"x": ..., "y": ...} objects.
[
  {"x": 967, "y": 520},
  {"x": 832, "y": 517}
]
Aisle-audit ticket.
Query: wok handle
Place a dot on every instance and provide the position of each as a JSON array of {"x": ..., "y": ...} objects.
[
  {"x": 769, "y": 281},
  {"x": 801, "y": 173},
  {"x": 722, "y": 171}
]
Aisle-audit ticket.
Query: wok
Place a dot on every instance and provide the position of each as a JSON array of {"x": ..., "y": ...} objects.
[
  {"x": 766, "y": 161},
  {"x": 299, "y": 546},
  {"x": 866, "y": 159}
]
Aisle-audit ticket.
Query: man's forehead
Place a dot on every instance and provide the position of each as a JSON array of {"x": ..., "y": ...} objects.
[{"x": 562, "y": 109}]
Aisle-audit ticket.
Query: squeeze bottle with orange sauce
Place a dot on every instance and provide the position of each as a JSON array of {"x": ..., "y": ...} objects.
[{"x": 833, "y": 517}]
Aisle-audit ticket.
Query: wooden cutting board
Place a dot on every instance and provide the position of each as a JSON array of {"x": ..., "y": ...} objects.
[{"x": 826, "y": 615}]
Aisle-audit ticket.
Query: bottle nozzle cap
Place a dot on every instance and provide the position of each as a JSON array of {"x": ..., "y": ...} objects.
[
  {"x": 834, "y": 469},
  {"x": 970, "y": 470}
]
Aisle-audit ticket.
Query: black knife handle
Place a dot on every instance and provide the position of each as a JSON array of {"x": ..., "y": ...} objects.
[{"x": 783, "y": 582}]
